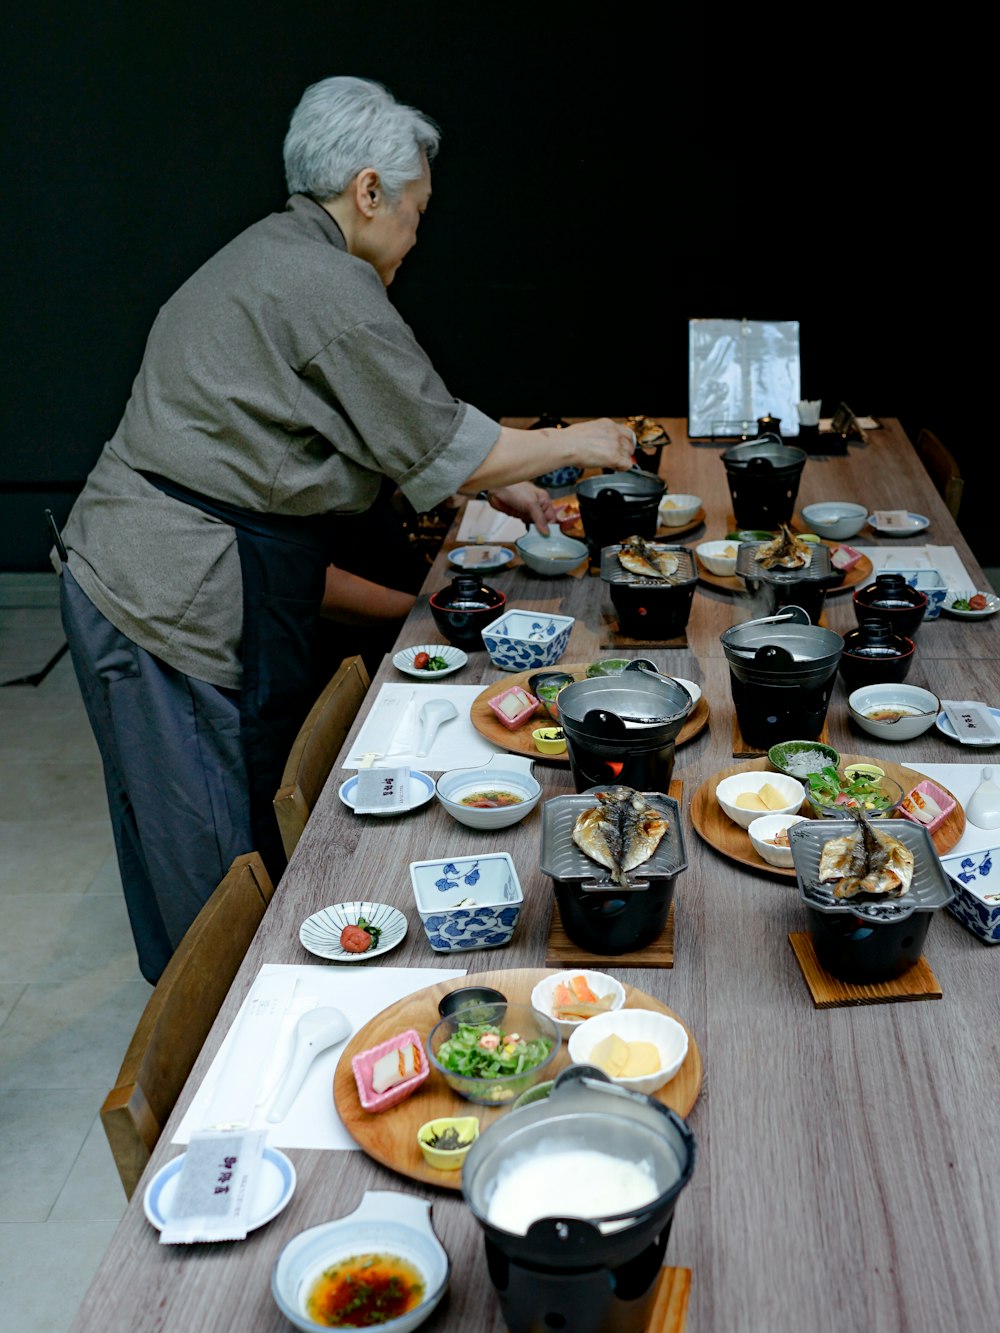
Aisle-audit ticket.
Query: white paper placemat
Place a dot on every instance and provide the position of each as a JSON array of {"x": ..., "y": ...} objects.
[
  {"x": 944, "y": 558},
  {"x": 391, "y": 727},
  {"x": 312, "y": 1121},
  {"x": 482, "y": 523},
  {"x": 962, "y": 780}
]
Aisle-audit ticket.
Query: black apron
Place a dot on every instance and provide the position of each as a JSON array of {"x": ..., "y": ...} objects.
[{"x": 283, "y": 561}]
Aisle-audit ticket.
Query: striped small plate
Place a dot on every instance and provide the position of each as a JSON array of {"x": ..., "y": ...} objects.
[
  {"x": 455, "y": 658},
  {"x": 320, "y": 933}
]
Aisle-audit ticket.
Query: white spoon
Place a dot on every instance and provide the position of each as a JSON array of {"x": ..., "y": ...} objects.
[
  {"x": 984, "y": 804},
  {"x": 316, "y": 1031},
  {"x": 433, "y": 714}
]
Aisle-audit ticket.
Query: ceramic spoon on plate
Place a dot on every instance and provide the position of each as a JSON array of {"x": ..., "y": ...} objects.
[{"x": 433, "y": 714}]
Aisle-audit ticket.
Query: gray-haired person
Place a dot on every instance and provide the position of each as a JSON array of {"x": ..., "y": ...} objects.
[{"x": 277, "y": 386}]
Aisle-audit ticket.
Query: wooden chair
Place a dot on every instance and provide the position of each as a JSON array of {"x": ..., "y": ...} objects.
[
  {"x": 316, "y": 747},
  {"x": 943, "y": 469},
  {"x": 179, "y": 1014}
]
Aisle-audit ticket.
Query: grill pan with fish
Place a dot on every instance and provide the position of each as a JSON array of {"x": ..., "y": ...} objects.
[
  {"x": 651, "y": 608},
  {"x": 868, "y": 939},
  {"x": 598, "y": 915},
  {"x": 806, "y": 587}
]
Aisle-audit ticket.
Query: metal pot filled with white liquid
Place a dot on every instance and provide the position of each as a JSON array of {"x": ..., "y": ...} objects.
[{"x": 575, "y": 1195}]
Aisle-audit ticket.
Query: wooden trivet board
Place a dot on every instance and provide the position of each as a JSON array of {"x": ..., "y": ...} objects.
[
  {"x": 612, "y": 637},
  {"x": 744, "y": 750},
  {"x": 670, "y": 1307},
  {"x": 562, "y": 952},
  {"x": 917, "y": 982}
]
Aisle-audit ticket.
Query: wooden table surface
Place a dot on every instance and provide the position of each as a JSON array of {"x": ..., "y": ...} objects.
[{"x": 844, "y": 1177}]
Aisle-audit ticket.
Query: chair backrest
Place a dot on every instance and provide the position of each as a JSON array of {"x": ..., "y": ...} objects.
[
  {"x": 316, "y": 747},
  {"x": 179, "y": 1015},
  {"x": 943, "y": 469}
]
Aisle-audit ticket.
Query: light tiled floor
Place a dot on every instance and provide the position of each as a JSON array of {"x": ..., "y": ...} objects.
[{"x": 70, "y": 990}]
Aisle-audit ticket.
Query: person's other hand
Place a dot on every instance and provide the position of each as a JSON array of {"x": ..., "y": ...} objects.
[
  {"x": 601, "y": 443},
  {"x": 526, "y": 501}
]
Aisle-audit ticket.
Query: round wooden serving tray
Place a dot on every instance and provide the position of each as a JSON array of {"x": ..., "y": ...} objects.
[
  {"x": 719, "y": 831},
  {"x": 390, "y": 1137},
  {"x": 857, "y": 574},
  {"x": 489, "y": 725}
]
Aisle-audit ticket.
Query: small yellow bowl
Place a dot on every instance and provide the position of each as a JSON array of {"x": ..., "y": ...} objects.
[
  {"x": 550, "y": 740},
  {"x": 448, "y": 1159},
  {"x": 864, "y": 771}
]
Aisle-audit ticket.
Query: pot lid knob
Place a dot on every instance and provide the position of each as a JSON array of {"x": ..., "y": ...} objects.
[{"x": 772, "y": 654}]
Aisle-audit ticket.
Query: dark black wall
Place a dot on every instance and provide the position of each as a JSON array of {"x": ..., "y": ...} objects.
[{"x": 599, "y": 183}]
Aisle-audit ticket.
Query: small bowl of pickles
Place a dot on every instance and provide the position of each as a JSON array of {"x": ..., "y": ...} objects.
[{"x": 445, "y": 1142}]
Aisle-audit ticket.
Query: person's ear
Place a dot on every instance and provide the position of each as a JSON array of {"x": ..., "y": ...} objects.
[{"x": 367, "y": 191}]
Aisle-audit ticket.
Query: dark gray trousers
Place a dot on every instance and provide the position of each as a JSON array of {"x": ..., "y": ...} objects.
[{"x": 174, "y": 772}]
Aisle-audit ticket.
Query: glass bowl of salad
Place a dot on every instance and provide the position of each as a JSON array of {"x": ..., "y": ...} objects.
[
  {"x": 832, "y": 793},
  {"x": 493, "y": 1063}
]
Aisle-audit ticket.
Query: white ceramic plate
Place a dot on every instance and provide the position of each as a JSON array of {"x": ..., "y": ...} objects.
[
  {"x": 274, "y": 1187},
  {"x": 915, "y": 523},
  {"x": 320, "y": 933},
  {"x": 403, "y": 660},
  {"x": 692, "y": 689},
  {"x": 421, "y": 791},
  {"x": 946, "y": 727},
  {"x": 992, "y": 605},
  {"x": 475, "y": 558}
]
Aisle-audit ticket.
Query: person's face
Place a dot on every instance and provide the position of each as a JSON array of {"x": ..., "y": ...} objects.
[{"x": 391, "y": 232}]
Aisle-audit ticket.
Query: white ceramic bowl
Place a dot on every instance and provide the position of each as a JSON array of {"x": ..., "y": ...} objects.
[
  {"x": 730, "y": 788},
  {"x": 599, "y": 982},
  {"x": 385, "y": 1222},
  {"x": 665, "y": 1033},
  {"x": 552, "y": 555},
  {"x": 467, "y": 902},
  {"x": 836, "y": 520},
  {"x": 676, "y": 510},
  {"x": 526, "y": 640},
  {"x": 921, "y": 707},
  {"x": 711, "y": 556},
  {"x": 766, "y": 826},
  {"x": 504, "y": 772}
]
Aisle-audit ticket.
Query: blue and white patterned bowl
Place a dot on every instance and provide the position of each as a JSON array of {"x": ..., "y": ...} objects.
[
  {"x": 467, "y": 902},
  {"x": 977, "y": 906},
  {"x": 562, "y": 476},
  {"x": 526, "y": 640}
]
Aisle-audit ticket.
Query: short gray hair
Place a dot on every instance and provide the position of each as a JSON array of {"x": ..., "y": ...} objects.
[{"x": 342, "y": 125}]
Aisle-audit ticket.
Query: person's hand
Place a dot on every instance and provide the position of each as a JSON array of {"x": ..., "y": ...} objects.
[
  {"x": 601, "y": 443},
  {"x": 526, "y": 501}
]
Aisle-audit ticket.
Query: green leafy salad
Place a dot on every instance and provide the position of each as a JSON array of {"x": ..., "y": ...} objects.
[
  {"x": 832, "y": 788},
  {"x": 486, "y": 1051}
]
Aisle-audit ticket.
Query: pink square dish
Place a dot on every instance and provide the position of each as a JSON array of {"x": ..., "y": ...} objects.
[
  {"x": 364, "y": 1062},
  {"x": 519, "y": 718},
  {"x": 912, "y": 800}
]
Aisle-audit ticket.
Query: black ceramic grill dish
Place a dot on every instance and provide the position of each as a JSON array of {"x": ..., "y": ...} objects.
[
  {"x": 597, "y": 914},
  {"x": 868, "y": 939},
  {"x": 651, "y": 607},
  {"x": 806, "y": 587},
  {"x": 749, "y": 567}
]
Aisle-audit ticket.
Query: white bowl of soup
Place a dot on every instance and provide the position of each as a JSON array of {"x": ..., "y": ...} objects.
[{"x": 495, "y": 795}]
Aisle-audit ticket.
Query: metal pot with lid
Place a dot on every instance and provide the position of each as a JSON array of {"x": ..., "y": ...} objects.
[
  {"x": 597, "y": 1273},
  {"x": 623, "y": 728},
  {"x": 782, "y": 674},
  {"x": 617, "y": 505},
  {"x": 763, "y": 477}
]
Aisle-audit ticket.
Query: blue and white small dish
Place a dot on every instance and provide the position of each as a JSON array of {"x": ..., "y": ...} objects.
[
  {"x": 467, "y": 902},
  {"x": 977, "y": 906},
  {"x": 454, "y": 657},
  {"x": 913, "y": 524},
  {"x": 931, "y": 582},
  {"x": 526, "y": 640},
  {"x": 421, "y": 791},
  {"x": 385, "y": 1221},
  {"x": 274, "y": 1186},
  {"x": 472, "y": 559},
  {"x": 320, "y": 933},
  {"x": 946, "y": 727},
  {"x": 561, "y": 477}
]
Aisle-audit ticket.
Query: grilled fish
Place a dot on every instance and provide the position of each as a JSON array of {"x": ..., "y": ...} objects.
[
  {"x": 647, "y": 561},
  {"x": 621, "y": 831},
  {"x": 866, "y": 862},
  {"x": 647, "y": 431},
  {"x": 787, "y": 550}
]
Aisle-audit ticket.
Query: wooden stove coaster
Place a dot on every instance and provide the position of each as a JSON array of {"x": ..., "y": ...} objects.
[
  {"x": 612, "y": 637},
  {"x": 669, "y": 1312},
  {"x": 744, "y": 750},
  {"x": 917, "y": 982},
  {"x": 562, "y": 952}
]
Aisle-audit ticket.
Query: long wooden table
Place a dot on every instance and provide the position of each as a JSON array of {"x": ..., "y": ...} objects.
[{"x": 844, "y": 1178}]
